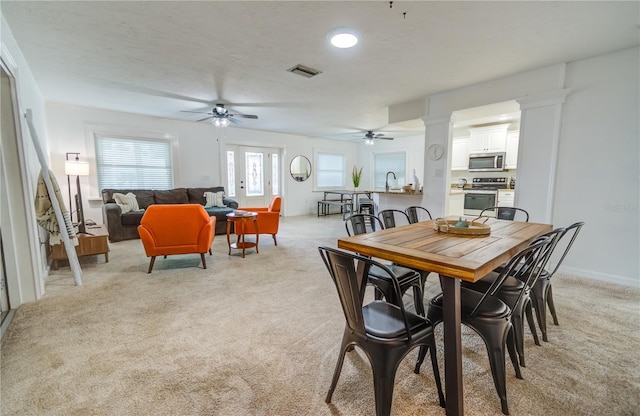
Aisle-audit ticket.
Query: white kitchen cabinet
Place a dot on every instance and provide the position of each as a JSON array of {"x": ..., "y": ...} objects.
[
  {"x": 506, "y": 197},
  {"x": 456, "y": 203},
  {"x": 460, "y": 153},
  {"x": 511, "y": 159},
  {"x": 488, "y": 139}
]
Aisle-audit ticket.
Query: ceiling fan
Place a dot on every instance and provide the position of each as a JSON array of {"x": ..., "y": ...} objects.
[
  {"x": 220, "y": 116},
  {"x": 370, "y": 137}
]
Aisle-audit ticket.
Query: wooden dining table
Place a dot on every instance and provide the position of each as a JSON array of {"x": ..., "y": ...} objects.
[{"x": 456, "y": 258}]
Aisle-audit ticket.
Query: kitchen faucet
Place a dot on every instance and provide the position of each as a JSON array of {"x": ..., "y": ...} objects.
[{"x": 386, "y": 181}]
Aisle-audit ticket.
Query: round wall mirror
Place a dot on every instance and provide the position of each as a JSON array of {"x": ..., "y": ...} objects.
[{"x": 300, "y": 168}]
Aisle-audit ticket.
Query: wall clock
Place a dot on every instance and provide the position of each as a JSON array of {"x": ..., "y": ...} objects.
[{"x": 435, "y": 152}]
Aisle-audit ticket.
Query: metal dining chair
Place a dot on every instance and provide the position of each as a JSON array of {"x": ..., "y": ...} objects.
[
  {"x": 386, "y": 332},
  {"x": 408, "y": 278},
  {"x": 490, "y": 317},
  {"x": 417, "y": 213},
  {"x": 542, "y": 293},
  {"x": 506, "y": 213}
]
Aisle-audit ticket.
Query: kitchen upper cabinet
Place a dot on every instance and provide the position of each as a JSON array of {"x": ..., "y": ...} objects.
[
  {"x": 511, "y": 160},
  {"x": 460, "y": 153},
  {"x": 488, "y": 139}
]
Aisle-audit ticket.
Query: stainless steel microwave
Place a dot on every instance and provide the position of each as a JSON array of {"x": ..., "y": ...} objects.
[{"x": 486, "y": 162}]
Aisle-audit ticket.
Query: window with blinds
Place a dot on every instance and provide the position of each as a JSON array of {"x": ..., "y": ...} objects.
[
  {"x": 133, "y": 163},
  {"x": 330, "y": 172}
]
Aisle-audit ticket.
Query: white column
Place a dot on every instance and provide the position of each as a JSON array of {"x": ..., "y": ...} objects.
[
  {"x": 436, "y": 175},
  {"x": 541, "y": 117}
]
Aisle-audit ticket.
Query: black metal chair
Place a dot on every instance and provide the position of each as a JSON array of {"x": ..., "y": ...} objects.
[
  {"x": 390, "y": 217},
  {"x": 408, "y": 278},
  {"x": 490, "y": 317},
  {"x": 385, "y": 332},
  {"x": 417, "y": 213},
  {"x": 511, "y": 293},
  {"x": 507, "y": 213},
  {"x": 542, "y": 293}
]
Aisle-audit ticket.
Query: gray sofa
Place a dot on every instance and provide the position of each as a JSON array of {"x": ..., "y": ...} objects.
[{"x": 125, "y": 226}]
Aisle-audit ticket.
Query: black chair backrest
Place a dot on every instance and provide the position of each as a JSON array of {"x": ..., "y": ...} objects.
[
  {"x": 525, "y": 266},
  {"x": 506, "y": 213},
  {"x": 362, "y": 223},
  {"x": 349, "y": 273},
  {"x": 575, "y": 229},
  {"x": 392, "y": 217},
  {"x": 414, "y": 213}
]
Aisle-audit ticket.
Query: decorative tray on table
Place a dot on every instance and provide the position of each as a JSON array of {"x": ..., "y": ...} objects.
[
  {"x": 462, "y": 227},
  {"x": 240, "y": 213}
]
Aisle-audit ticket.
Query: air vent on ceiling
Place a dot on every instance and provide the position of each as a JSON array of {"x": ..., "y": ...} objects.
[{"x": 305, "y": 71}]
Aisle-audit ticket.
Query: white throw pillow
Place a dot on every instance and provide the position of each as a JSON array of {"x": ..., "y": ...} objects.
[
  {"x": 127, "y": 202},
  {"x": 214, "y": 199}
]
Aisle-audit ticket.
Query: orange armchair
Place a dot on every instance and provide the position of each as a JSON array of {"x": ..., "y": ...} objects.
[
  {"x": 268, "y": 218},
  {"x": 176, "y": 229}
]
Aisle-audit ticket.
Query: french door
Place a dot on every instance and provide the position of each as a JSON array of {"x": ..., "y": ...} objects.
[{"x": 253, "y": 174}]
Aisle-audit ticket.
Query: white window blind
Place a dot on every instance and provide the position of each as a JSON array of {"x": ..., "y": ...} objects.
[
  {"x": 133, "y": 163},
  {"x": 330, "y": 170}
]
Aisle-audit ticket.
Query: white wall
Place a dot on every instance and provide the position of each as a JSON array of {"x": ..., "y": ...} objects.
[
  {"x": 197, "y": 158},
  {"x": 598, "y": 177}
]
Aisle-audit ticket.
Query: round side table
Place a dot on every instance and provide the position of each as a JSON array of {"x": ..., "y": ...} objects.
[{"x": 240, "y": 223}]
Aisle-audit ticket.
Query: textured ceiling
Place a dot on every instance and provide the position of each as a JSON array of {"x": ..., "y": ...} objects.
[{"x": 158, "y": 58}]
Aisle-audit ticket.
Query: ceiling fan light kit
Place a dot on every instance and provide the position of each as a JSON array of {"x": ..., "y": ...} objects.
[
  {"x": 343, "y": 38},
  {"x": 221, "y": 117}
]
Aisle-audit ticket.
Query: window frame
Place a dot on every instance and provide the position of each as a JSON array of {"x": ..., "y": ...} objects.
[
  {"x": 318, "y": 171},
  {"x": 93, "y": 130},
  {"x": 405, "y": 156}
]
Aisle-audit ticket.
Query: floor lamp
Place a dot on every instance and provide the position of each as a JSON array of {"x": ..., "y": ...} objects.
[{"x": 76, "y": 167}]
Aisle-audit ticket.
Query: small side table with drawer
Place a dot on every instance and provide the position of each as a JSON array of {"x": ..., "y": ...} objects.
[{"x": 88, "y": 245}]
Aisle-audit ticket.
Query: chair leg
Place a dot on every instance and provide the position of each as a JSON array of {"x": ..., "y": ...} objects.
[
  {"x": 418, "y": 299},
  {"x": 495, "y": 339},
  {"x": 552, "y": 307},
  {"x": 274, "y": 239},
  {"x": 204, "y": 261},
  {"x": 518, "y": 333},
  {"x": 532, "y": 326},
  {"x": 153, "y": 260},
  {"x": 436, "y": 371},
  {"x": 511, "y": 348},
  {"x": 540, "y": 304},
  {"x": 336, "y": 373},
  {"x": 384, "y": 374},
  {"x": 210, "y": 252}
]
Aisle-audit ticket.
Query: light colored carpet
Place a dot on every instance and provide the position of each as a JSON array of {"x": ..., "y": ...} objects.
[{"x": 260, "y": 336}]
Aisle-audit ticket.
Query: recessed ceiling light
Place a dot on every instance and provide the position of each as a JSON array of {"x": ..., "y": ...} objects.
[{"x": 343, "y": 38}]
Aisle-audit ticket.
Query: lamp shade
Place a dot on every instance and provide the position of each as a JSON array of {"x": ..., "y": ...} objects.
[{"x": 76, "y": 168}]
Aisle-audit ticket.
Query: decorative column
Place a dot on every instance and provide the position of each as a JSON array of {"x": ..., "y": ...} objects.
[
  {"x": 436, "y": 168},
  {"x": 540, "y": 122}
]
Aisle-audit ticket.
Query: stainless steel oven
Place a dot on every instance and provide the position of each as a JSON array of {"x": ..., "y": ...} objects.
[
  {"x": 483, "y": 194},
  {"x": 477, "y": 200}
]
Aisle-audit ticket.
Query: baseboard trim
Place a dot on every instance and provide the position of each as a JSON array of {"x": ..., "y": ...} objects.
[{"x": 602, "y": 277}]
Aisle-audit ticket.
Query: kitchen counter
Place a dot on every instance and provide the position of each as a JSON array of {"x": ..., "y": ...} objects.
[{"x": 397, "y": 193}]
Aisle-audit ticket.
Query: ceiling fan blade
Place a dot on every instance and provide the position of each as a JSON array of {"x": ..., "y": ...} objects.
[
  {"x": 206, "y": 118},
  {"x": 234, "y": 121},
  {"x": 197, "y": 112},
  {"x": 253, "y": 116},
  {"x": 384, "y": 138}
]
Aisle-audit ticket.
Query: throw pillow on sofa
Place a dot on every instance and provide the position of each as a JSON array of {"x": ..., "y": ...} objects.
[
  {"x": 126, "y": 202},
  {"x": 214, "y": 199}
]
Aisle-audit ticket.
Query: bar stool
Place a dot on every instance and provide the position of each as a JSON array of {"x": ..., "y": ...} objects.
[{"x": 366, "y": 206}]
